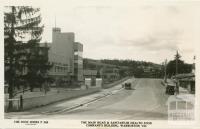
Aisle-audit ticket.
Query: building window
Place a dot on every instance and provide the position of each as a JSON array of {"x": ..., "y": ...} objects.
[{"x": 76, "y": 53}]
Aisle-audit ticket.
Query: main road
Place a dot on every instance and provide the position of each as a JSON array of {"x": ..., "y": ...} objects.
[{"x": 147, "y": 100}]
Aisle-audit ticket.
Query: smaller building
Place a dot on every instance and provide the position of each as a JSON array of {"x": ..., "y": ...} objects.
[
  {"x": 151, "y": 71},
  {"x": 88, "y": 73},
  {"x": 187, "y": 81},
  {"x": 110, "y": 74},
  {"x": 189, "y": 84}
]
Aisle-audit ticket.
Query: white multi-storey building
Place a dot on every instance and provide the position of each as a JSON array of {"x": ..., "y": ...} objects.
[{"x": 66, "y": 57}]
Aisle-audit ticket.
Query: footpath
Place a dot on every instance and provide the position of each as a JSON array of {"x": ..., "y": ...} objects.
[
  {"x": 64, "y": 106},
  {"x": 105, "y": 86}
]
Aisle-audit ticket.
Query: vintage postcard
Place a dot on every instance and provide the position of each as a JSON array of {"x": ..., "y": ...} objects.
[{"x": 100, "y": 64}]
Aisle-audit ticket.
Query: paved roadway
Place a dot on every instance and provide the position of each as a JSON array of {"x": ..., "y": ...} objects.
[{"x": 146, "y": 101}]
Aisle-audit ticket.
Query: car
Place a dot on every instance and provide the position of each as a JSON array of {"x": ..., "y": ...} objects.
[
  {"x": 170, "y": 89},
  {"x": 127, "y": 86}
]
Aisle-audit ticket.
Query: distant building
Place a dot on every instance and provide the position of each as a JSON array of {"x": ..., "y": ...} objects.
[
  {"x": 107, "y": 72},
  {"x": 151, "y": 71},
  {"x": 110, "y": 74}
]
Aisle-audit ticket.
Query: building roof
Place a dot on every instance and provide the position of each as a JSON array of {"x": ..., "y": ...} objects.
[
  {"x": 185, "y": 75},
  {"x": 180, "y": 97},
  {"x": 90, "y": 72},
  {"x": 188, "y": 79}
]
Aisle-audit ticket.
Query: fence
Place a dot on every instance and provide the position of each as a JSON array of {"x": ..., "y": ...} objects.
[
  {"x": 28, "y": 103},
  {"x": 15, "y": 104}
]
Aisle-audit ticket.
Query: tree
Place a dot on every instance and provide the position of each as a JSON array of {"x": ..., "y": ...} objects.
[
  {"x": 177, "y": 66},
  {"x": 177, "y": 58},
  {"x": 21, "y": 23},
  {"x": 122, "y": 72},
  {"x": 38, "y": 65},
  {"x": 98, "y": 74}
]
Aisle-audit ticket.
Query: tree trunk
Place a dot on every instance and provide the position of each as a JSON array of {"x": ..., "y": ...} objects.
[
  {"x": 31, "y": 88},
  {"x": 10, "y": 91},
  {"x": 12, "y": 70}
]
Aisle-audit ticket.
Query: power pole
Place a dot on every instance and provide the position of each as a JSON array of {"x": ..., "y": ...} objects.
[
  {"x": 193, "y": 65},
  {"x": 177, "y": 56},
  {"x": 165, "y": 70}
]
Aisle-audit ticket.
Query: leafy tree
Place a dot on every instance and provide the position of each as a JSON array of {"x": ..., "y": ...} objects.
[
  {"x": 126, "y": 67},
  {"x": 122, "y": 73},
  {"x": 137, "y": 72},
  {"x": 98, "y": 74},
  {"x": 21, "y": 23}
]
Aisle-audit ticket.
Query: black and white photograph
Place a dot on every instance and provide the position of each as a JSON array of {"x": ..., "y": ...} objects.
[{"x": 101, "y": 60}]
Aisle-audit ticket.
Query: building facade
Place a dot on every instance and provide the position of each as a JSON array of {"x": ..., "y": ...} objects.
[
  {"x": 66, "y": 57},
  {"x": 91, "y": 74},
  {"x": 109, "y": 74},
  {"x": 78, "y": 62}
]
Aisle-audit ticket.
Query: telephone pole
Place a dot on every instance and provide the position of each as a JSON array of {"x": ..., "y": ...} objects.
[
  {"x": 165, "y": 70},
  {"x": 177, "y": 56}
]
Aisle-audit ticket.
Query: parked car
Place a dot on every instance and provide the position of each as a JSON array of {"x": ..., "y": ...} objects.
[{"x": 170, "y": 89}]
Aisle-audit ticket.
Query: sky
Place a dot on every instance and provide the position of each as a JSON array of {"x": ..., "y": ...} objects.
[{"x": 145, "y": 31}]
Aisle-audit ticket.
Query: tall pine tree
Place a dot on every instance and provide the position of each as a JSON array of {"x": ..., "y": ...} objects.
[
  {"x": 177, "y": 66},
  {"x": 22, "y": 34}
]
